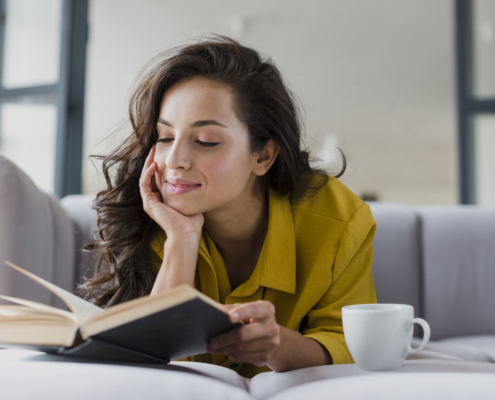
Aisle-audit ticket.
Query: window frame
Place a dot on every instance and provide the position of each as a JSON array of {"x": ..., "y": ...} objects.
[
  {"x": 68, "y": 92},
  {"x": 467, "y": 105}
]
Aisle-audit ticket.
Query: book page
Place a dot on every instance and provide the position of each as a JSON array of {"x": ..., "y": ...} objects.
[
  {"x": 13, "y": 310},
  {"x": 38, "y": 306},
  {"x": 81, "y": 308}
]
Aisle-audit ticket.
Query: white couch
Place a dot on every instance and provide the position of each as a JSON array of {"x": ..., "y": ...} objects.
[{"x": 440, "y": 259}]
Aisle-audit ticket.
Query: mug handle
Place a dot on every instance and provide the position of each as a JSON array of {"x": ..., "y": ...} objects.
[{"x": 426, "y": 336}]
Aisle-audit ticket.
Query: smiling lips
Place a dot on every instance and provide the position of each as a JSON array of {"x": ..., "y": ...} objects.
[{"x": 180, "y": 186}]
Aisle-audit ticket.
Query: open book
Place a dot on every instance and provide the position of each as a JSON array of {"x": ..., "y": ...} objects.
[{"x": 151, "y": 329}]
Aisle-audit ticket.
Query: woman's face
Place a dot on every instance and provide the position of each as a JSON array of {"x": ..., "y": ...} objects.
[{"x": 204, "y": 146}]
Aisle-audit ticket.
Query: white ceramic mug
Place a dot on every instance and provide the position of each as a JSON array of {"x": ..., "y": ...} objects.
[{"x": 379, "y": 336}]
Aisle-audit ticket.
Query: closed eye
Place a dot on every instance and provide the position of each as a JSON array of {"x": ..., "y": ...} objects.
[
  {"x": 164, "y": 140},
  {"x": 204, "y": 144}
]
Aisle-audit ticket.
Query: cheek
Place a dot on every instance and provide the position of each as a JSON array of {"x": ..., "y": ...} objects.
[{"x": 228, "y": 173}]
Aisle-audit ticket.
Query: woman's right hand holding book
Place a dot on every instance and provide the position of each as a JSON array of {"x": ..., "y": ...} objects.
[{"x": 183, "y": 232}]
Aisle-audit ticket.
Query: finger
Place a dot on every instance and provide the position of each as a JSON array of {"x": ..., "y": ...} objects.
[
  {"x": 234, "y": 344},
  {"x": 145, "y": 181},
  {"x": 149, "y": 160},
  {"x": 154, "y": 187},
  {"x": 265, "y": 344},
  {"x": 158, "y": 196},
  {"x": 258, "y": 310},
  {"x": 244, "y": 334},
  {"x": 229, "y": 306}
]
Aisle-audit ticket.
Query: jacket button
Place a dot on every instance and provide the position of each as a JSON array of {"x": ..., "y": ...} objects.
[{"x": 234, "y": 365}]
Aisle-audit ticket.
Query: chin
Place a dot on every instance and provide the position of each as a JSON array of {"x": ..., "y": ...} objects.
[{"x": 183, "y": 207}]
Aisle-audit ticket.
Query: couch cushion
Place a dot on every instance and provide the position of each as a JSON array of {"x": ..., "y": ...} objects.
[
  {"x": 78, "y": 208},
  {"x": 396, "y": 258},
  {"x": 36, "y": 234},
  {"x": 458, "y": 245}
]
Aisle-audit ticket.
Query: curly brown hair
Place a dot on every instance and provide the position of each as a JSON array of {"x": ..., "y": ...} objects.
[{"x": 261, "y": 100}]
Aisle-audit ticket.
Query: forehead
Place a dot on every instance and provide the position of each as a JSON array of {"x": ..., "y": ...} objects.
[{"x": 196, "y": 97}]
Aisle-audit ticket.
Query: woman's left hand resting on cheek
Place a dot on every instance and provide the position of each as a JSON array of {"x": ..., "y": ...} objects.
[{"x": 264, "y": 342}]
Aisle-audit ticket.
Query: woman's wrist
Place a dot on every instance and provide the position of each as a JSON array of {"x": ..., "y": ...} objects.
[
  {"x": 277, "y": 363},
  {"x": 183, "y": 242},
  {"x": 297, "y": 351},
  {"x": 179, "y": 263}
]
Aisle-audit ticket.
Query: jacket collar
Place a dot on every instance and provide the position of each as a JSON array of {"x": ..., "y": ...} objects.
[{"x": 276, "y": 267}]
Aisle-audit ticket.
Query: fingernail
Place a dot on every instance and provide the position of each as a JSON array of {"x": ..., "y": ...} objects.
[{"x": 235, "y": 317}]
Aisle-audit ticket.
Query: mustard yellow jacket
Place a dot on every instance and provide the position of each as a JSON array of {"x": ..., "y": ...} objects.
[{"x": 316, "y": 258}]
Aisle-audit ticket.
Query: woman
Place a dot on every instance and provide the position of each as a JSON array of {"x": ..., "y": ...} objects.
[{"x": 213, "y": 190}]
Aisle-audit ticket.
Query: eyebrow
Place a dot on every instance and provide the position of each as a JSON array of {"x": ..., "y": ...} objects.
[{"x": 196, "y": 124}]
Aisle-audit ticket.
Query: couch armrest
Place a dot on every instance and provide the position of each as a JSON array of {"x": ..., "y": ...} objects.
[{"x": 36, "y": 234}]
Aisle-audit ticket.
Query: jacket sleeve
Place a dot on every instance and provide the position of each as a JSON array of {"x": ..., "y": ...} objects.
[
  {"x": 352, "y": 283},
  {"x": 155, "y": 261},
  {"x": 156, "y": 251}
]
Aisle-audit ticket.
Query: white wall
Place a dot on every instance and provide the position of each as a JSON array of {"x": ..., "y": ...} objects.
[{"x": 378, "y": 74}]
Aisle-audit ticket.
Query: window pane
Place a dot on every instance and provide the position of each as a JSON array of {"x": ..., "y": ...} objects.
[
  {"x": 32, "y": 42},
  {"x": 484, "y": 135},
  {"x": 483, "y": 45},
  {"x": 27, "y": 137}
]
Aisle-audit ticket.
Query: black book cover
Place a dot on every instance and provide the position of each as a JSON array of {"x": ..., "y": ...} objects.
[
  {"x": 95, "y": 350},
  {"x": 180, "y": 331}
]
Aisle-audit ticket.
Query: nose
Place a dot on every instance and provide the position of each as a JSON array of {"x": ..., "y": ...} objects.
[{"x": 178, "y": 156}]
